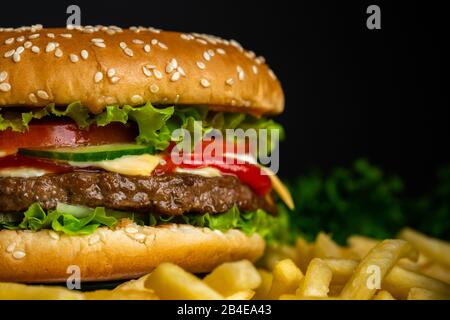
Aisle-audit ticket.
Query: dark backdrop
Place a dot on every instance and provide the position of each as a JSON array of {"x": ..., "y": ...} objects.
[{"x": 350, "y": 91}]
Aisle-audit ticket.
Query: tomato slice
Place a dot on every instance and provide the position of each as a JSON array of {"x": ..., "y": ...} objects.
[
  {"x": 248, "y": 173},
  {"x": 17, "y": 161},
  {"x": 61, "y": 133}
]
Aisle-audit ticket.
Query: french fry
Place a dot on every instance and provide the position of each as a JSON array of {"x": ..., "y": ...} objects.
[
  {"x": 325, "y": 247},
  {"x": 361, "y": 245},
  {"x": 335, "y": 290},
  {"x": 296, "y": 297},
  {"x": 437, "y": 271},
  {"x": 424, "y": 294},
  {"x": 436, "y": 249},
  {"x": 304, "y": 253},
  {"x": 399, "y": 281},
  {"x": 416, "y": 266},
  {"x": 316, "y": 281},
  {"x": 171, "y": 282},
  {"x": 125, "y": 294},
  {"x": 286, "y": 279},
  {"x": 380, "y": 260},
  {"x": 383, "y": 295},
  {"x": 16, "y": 291},
  {"x": 262, "y": 292},
  {"x": 232, "y": 277},
  {"x": 276, "y": 253},
  {"x": 342, "y": 269},
  {"x": 242, "y": 295},
  {"x": 137, "y": 284}
]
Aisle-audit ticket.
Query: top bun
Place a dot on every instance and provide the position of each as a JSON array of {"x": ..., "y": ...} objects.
[{"x": 100, "y": 66}]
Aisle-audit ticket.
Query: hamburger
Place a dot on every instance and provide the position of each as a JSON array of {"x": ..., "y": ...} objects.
[{"x": 87, "y": 178}]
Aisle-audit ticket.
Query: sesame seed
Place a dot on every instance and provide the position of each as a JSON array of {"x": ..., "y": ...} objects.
[
  {"x": 3, "y": 76},
  {"x": 171, "y": 65},
  {"x": 20, "y": 49},
  {"x": 136, "y": 99},
  {"x": 35, "y": 49},
  {"x": 9, "y": 41},
  {"x": 154, "y": 88},
  {"x": 100, "y": 44},
  {"x": 27, "y": 44},
  {"x": 73, "y": 57},
  {"x": 33, "y": 98},
  {"x": 66, "y": 35},
  {"x": 206, "y": 56},
  {"x": 50, "y": 47},
  {"x": 19, "y": 255},
  {"x": 10, "y": 248},
  {"x": 241, "y": 74},
  {"x": 181, "y": 71},
  {"x": 111, "y": 72},
  {"x": 16, "y": 57},
  {"x": 34, "y": 36},
  {"x": 97, "y": 40},
  {"x": 42, "y": 94},
  {"x": 175, "y": 76},
  {"x": 201, "y": 65},
  {"x": 110, "y": 100},
  {"x": 58, "y": 53},
  {"x": 98, "y": 77},
  {"x": 53, "y": 235},
  {"x": 211, "y": 52},
  {"x": 250, "y": 54},
  {"x": 115, "y": 79},
  {"x": 255, "y": 69},
  {"x": 128, "y": 52},
  {"x": 51, "y": 35},
  {"x": 260, "y": 60},
  {"x": 137, "y": 41},
  {"x": 131, "y": 230},
  {"x": 147, "y": 48},
  {"x": 151, "y": 66},
  {"x": 139, "y": 236},
  {"x": 84, "y": 54},
  {"x": 158, "y": 74},
  {"x": 205, "y": 83},
  {"x": 162, "y": 46},
  {"x": 185, "y": 36},
  {"x": 201, "y": 41},
  {"x": 146, "y": 71},
  {"x": 220, "y": 51},
  {"x": 20, "y": 39},
  {"x": 272, "y": 74},
  {"x": 154, "y": 42},
  {"x": 94, "y": 239},
  {"x": 230, "y": 81},
  {"x": 154, "y": 30},
  {"x": 9, "y": 53},
  {"x": 122, "y": 45}
]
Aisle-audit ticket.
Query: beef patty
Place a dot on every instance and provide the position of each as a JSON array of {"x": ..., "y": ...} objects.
[{"x": 168, "y": 194}]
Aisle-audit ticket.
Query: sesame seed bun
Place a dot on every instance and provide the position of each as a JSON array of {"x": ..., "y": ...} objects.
[
  {"x": 109, "y": 65},
  {"x": 123, "y": 253}
]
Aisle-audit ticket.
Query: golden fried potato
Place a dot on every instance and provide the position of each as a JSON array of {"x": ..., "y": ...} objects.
[
  {"x": 325, "y": 247},
  {"x": 304, "y": 253},
  {"x": 286, "y": 279},
  {"x": 373, "y": 268},
  {"x": 383, "y": 295},
  {"x": 262, "y": 292},
  {"x": 361, "y": 245},
  {"x": 232, "y": 277},
  {"x": 123, "y": 294},
  {"x": 342, "y": 269},
  {"x": 242, "y": 295},
  {"x": 16, "y": 291},
  {"x": 316, "y": 281},
  {"x": 436, "y": 271},
  {"x": 170, "y": 282},
  {"x": 424, "y": 294},
  {"x": 399, "y": 281},
  {"x": 137, "y": 284},
  {"x": 436, "y": 249}
]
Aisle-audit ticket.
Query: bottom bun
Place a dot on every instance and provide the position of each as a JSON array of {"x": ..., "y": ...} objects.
[{"x": 122, "y": 253}]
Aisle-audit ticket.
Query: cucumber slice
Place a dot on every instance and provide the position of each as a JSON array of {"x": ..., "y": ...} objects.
[{"x": 90, "y": 153}]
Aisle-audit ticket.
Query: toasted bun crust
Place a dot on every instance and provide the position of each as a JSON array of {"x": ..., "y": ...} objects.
[
  {"x": 131, "y": 66},
  {"x": 123, "y": 253}
]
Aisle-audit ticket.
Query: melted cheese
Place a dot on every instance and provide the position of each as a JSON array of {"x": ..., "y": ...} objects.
[
  {"x": 204, "y": 172},
  {"x": 142, "y": 165},
  {"x": 22, "y": 172}
]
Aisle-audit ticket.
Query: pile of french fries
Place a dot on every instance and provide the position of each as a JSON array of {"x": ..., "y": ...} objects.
[{"x": 413, "y": 267}]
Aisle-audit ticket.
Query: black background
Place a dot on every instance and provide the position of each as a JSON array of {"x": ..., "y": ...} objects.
[{"x": 350, "y": 91}]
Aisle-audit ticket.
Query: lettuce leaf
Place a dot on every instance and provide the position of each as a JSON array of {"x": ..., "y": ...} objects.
[
  {"x": 155, "y": 124},
  {"x": 80, "y": 220}
]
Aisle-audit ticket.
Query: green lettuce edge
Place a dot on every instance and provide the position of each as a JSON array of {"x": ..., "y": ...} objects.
[{"x": 78, "y": 220}]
